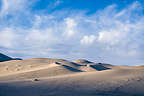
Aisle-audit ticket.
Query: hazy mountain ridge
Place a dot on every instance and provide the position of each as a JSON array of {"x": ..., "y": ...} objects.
[{"x": 7, "y": 58}]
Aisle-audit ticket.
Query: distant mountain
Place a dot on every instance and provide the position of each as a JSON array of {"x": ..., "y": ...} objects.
[
  {"x": 7, "y": 58},
  {"x": 17, "y": 59}
]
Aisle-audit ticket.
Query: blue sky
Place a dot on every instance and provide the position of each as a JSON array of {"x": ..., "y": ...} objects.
[
  {"x": 89, "y": 5},
  {"x": 108, "y": 31}
]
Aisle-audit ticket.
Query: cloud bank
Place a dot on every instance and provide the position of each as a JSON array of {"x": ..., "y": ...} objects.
[{"x": 108, "y": 35}]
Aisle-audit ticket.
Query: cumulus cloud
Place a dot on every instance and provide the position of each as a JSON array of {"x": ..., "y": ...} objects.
[
  {"x": 70, "y": 26},
  {"x": 40, "y": 38},
  {"x": 8, "y": 38},
  {"x": 110, "y": 35},
  {"x": 88, "y": 40}
]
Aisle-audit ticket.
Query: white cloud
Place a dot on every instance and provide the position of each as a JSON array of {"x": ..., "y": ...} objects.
[
  {"x": 88, "y": 40},
  {"x": 57, "y": 2},
  {"x": 40, "y": 38},
  {"x": 4, "y": 7},
  {"x": 11, "y": 5},
  {"x": 70, "y": 26},
  {"x": 37, "y": 21},
  {"x": 113, "y": 36},
  {"x": 8, "y": 38}
]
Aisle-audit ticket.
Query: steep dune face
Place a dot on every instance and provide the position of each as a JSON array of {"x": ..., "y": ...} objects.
[{"x": 58, "y": 77}]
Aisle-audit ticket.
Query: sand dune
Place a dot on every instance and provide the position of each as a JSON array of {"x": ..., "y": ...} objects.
[
  {"x": 58, "y": 77},
  {"x": 33, "y": 68}
]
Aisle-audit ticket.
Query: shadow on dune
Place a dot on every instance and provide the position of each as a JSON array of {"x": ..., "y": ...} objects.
[
  {"x": 99, "y": 67},
  {"x": 75, "y": 64},
  {"x": 71, "y": 69}
]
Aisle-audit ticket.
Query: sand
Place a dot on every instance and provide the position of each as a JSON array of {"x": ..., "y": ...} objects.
[{"x": 57, "y": 77}]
